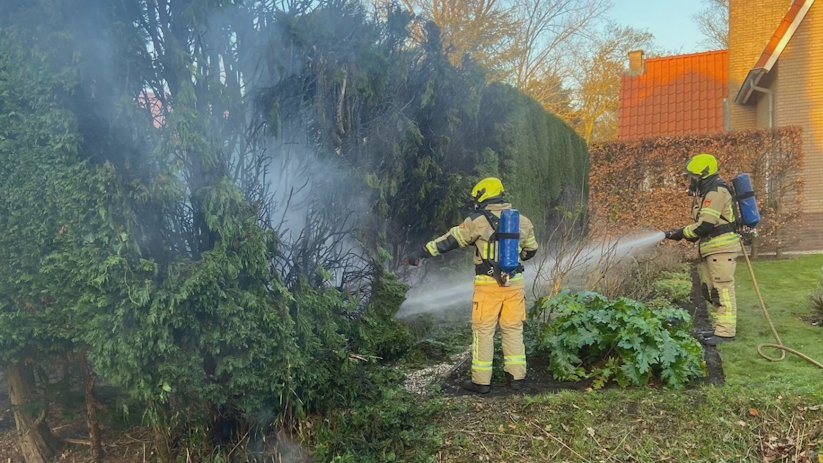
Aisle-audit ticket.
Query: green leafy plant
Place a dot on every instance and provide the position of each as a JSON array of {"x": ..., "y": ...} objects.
[
  {"x": 385, "y": 424},
  {"x": 590, "y": 336},
  {"x": 378, "y": 332},
  {"x": 674, "y": 286}
]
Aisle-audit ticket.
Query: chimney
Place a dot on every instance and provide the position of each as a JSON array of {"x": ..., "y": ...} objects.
[{"x": 637, "y": 63}]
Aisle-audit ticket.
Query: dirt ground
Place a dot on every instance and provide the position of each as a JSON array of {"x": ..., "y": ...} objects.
[
  {"x": 9, "y": 451},
  {"x": 539, "y": 379}
]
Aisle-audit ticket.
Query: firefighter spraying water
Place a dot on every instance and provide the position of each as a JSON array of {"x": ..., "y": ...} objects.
[
  {"x": 715, "y": 229},
  {"x": 721, "y": 214},
  {"x": 501, "y": 238}
]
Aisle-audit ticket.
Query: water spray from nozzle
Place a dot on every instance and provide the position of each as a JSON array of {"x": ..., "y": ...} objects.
[{"x": 438, "y": 294}]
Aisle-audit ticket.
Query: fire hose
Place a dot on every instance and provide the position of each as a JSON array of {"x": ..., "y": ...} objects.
[{"x": 779, "y": 345}]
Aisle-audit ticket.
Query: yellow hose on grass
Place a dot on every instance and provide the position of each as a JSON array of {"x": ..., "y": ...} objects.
[{"x": 779, "y": 345}]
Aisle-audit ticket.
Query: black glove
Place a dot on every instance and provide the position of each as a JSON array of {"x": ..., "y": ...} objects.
[
  {"x": 414, "y": 258},
  {"x": 675, "y": 235}
]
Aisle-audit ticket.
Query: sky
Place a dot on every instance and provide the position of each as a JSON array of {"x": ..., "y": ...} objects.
[{"x": 671, "y": 22}]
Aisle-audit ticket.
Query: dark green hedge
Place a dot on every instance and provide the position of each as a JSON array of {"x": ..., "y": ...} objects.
[{"x": 543, "y": 162}]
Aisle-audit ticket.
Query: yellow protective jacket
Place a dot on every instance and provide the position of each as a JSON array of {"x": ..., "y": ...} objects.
[
  {"x": 477, "y": 230},
  {"x": 714, "y": 219}
]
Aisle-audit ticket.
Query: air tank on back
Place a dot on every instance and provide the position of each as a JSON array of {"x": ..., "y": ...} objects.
[
  {"x": 746, "y": 202},
  {"x": 509, "y": 237}
]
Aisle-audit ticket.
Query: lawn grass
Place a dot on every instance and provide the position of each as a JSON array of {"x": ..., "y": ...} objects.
[
  {"x": 705, "y": 425},
  {"x": 786, "y": 285},
  {"x": 767, "y": 411}
]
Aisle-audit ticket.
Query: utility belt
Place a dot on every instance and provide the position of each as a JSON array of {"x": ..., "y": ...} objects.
[
  {"x": 722, "y": 230},
  {"x": 486, "y": 268},
  {"x": 489, "y": 269},
  {"x": 722, "y": 239}
]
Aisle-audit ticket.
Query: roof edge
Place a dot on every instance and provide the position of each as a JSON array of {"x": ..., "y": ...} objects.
[
  {"x": 688, "y": 55},
  {"x": 799, "y": 11},
  {"x": 782, "y": 35},
  {"x": 746, "y": 90}
]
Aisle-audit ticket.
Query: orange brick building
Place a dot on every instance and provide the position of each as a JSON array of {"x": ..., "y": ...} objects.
[{"x": 773, "y": 78}]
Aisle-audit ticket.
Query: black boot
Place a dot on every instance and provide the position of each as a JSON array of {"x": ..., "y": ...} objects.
[
  {"x": 715, "y": 340},
  {"x": 476, "y": 388},
  {"x": 518, "y": 385},
  {"x": 703, "y": 333}
]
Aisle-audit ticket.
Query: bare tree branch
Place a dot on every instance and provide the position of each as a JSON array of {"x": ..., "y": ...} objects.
[
  {"x": 546, "y": 29},
  {"x": 714, "y": 24}
]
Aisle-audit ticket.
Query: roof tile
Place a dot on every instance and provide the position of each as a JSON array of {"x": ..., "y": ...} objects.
[{"x": 676, "y": 95}]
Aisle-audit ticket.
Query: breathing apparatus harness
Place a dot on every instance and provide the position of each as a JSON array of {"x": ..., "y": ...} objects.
[
  {"x": 699, "y": 187},
  {"x": 744, "y": 202},
  {"x": 506, "y": 238}
]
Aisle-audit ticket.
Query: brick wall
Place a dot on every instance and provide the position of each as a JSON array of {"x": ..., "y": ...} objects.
[
  {"x": 799, "y": 101},
  {"x": 811, "y": 237},
  {"x": 751, "y": 24},
  {"x": 797, "y": 85}
]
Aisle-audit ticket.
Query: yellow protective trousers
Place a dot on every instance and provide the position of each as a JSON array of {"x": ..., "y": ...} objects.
[
  {"x": 493, "y": 303},
  {"x": 717, "y": 278}
]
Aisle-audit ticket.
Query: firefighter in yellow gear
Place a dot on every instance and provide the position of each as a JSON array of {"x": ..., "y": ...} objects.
[
  {"x": 715, "y": 230},
  {"x": 498, "y": 297}
]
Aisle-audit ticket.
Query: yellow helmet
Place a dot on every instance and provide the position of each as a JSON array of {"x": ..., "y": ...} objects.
[
  {"x": 488, "y": 188},
  {"x": 703, "y": 165}
]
